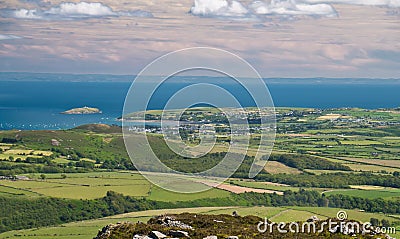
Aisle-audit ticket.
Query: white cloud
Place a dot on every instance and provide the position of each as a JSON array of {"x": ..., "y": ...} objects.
[
  {"x": 218, "y": 8},
  {"x": 8, "y": 37},
  {"x": 81, "y": 9},
  {"x": 232, "y": 8},
  {"x": 383, "y": 3},
  {"x": 70, "y": 10},
  {"x": 27, "y": 14},
  {"x": 292, "y": 7}
]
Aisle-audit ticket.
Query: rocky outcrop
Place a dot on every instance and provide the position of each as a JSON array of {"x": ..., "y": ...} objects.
[
  {"x": 169, "y": 221},
  {"x": 197, "y": 226},
  {"x": 107, "y": 231}
]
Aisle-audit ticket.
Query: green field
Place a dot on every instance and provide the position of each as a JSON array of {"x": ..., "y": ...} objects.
[
  {"x": 159, "y": 194},
  {"x": 11, "y": 191},
  {"x": 385, "y": 194},
  {"x": 95, "y": 185}
]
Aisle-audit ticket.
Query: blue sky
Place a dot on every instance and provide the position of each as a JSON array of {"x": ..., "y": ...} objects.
[{"x": 291, "y": 38}]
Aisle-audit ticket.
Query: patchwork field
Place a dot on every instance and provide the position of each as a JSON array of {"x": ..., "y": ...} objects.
[{"x": 327, "y": 151}]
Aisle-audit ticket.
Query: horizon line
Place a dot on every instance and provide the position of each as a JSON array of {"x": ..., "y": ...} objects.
[{"x": 135, "y": 75}]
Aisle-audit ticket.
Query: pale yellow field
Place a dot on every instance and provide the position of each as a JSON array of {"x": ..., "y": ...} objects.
[
  {"x": 368, "y": 187},
  {"x": 388, "y": 163},
  {"x": 88, "y": 160},
  {"x": 4, "y": 148},
  {"x": 274, "y": 167},
  {"x": 5, "y": 144},
  {"x": 18, "y": 151},
  {"x": 41, "y": 152},
  {"x": 330, "y": 117},
  {"x": 370, "y": 168}
]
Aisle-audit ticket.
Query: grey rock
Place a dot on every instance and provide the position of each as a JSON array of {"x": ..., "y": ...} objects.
[
  {"x": 179, "y": 234},
  {"x": 218, "y": 221},
  {"x": 157, "y": 235},
  {"x": 140, "y": 237},
  {"x": 211, "y": 237},
  {"x": 105, "y": 232},
  {"x": 233, "y": 237},
  {"x": 313, "y": 219},
  {"x": 171, "y": 222}
]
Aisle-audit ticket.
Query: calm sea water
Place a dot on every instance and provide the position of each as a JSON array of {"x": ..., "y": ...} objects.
[{"x": 37, "y": 104}]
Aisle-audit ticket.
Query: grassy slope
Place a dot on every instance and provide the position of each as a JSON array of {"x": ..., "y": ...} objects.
[{"x": 88, "y": 229}]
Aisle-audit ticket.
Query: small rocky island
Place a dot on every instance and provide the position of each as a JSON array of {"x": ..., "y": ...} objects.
[{"x": 82, "y": 111}]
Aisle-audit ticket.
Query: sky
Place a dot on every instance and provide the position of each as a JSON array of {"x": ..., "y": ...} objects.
[{"x": 280, "y": 38}]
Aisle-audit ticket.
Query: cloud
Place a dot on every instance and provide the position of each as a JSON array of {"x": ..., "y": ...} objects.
[
  {"x": 70, "y": 10},
  {"x": 8, "y": 37},
  {"x": 259, "y": 9},
  {"x": 292, "y": 7},
  {"x": 80, "y": 9},
  {"x": 218, "y": 8},
  {"x": 383, "y": 3},
  {"x": 27, "y": 14}
]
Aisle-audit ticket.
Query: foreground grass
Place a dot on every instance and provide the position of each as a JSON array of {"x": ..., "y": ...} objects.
[{"x": 88, "y": 229}]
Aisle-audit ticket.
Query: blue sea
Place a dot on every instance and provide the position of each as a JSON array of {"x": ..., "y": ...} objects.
[{"x": 35, "y": 103}]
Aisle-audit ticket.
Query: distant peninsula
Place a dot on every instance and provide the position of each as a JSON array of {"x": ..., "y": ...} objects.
[{"x": 82, "y": 111}]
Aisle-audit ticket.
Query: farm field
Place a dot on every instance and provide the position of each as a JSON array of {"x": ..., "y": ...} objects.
[
  {"x": 263, "y": 185},
  {"x": 378, "y": 162},
  {"x": 359, "y": 167},
  {"x": 95, "y": 185},
  {"x": 371, "y": 194},
  {"x": 241, "y": 189},
  {"x": 277, "y": 167}
]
